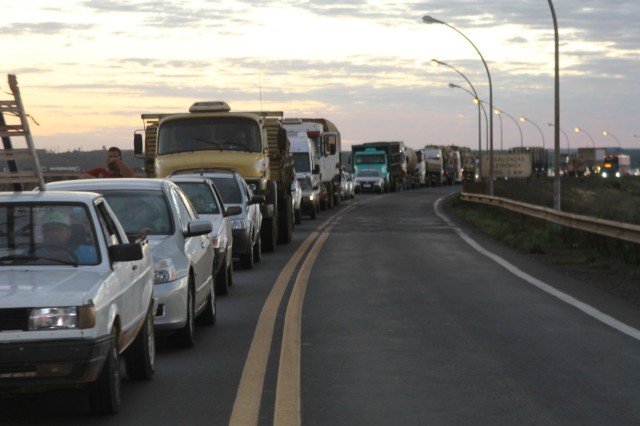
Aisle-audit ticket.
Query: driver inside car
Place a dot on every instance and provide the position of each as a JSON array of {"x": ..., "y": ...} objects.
[{"x": 56, "y": 232}]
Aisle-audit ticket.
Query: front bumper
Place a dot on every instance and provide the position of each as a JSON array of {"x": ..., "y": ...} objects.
[
  {"x": 172, "y": 304},
  {"x": 42, "y": 365}
]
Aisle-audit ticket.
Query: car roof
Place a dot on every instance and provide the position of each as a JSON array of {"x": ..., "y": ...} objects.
[
  {"x": 48, "y": 196},
  {"x": 107, "y": 184}
]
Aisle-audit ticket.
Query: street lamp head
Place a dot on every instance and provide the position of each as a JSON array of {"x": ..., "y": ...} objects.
[
  {"x": 577, "y": 130},
  {"x": 429, "y": 20},
  {"x": 451, "y": 85},
  {"x": 435, "y": 62},
  {"x": 522, "y": 119},
  {"x": 605, "y": 133},
  {"x": 496, "y": 111}
]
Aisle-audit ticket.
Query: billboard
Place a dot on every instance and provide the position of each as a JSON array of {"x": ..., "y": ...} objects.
[{"x": 507, "y": 165}]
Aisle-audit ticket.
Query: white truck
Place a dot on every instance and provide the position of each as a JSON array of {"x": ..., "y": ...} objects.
[
  {"x": 75, "y": 295},
  {"x": 305, "y": 162},
  {"x": 326, "y": 138}
]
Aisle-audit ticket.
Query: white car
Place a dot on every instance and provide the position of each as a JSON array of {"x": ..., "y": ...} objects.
[
  {"x": 181, "y": 248},
  {"x": 75, "y": 294},
  {"x": 207, "y": 201},
  {"x": 296, "y": 200}
]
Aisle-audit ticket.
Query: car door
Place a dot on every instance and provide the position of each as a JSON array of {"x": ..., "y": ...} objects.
[
  {"x": 198, "y": 249},
  {"x": 127, "y": 285}
]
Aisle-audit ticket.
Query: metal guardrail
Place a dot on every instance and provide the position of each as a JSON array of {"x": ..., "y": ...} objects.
[{"x": 607, "y": 228}]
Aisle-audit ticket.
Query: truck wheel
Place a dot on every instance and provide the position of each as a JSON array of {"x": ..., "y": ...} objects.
[
  {"x": 186, "y": 336},
  {"x": 104, "y": 392},
  {"x": 329, "y": 197},
  {"x": 140, "y": 357},
  {"x": 336, "y": 198},
  {"x": 268, "y": 234},
  {"x": 285, "y": 226}
]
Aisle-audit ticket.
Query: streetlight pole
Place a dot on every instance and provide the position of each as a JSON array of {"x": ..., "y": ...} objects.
[
  {"x": 565, "y": 137},
  {"x": 605, "y": 133},
  {"x": 523, "y": 119},
  {"x": 544, "y": 147},
  {"x": 556, "y": 134},
  {"x": 578, "y": 130},
  {"x": 429, "y": 20},
  {"x": 475, "y": 95},
  {"x": 499, "y": 111},
  {"x": 501, "y": 135},
  {"x": 480, "y": 106}
]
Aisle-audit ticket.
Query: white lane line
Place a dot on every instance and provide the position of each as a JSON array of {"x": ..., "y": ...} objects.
[{"x": 587, "y": 309}]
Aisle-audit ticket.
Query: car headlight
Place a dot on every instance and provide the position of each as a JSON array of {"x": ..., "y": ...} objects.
[
  {"x": 239, "y": 224},
  {"x": 62, "y": 318},
  {"x": 165, "y": 271}
]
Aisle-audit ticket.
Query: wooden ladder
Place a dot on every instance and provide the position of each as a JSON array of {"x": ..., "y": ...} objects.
[{"x": 11, "y": 175}]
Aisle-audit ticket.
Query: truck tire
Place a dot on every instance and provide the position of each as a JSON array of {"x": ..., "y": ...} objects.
[
  {"x": 329, "y": 197},
  {"x": 285, "y": 222},
  {"x": 268, "y": 234},
  {"x": 140, "y": 356},
  {"x": 104, "y": 392}
]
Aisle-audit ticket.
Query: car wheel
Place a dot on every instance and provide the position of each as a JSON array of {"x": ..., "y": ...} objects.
[
  {"x": 104, "y": 392},
  {"x": 298, "y": 217},
  {"x": 246, "y": 259},
  {"x": 230, "y": 274},
  {"x": 257, "y": 251},
  {"x": 268, "y": 234},
  {"x": 222, "y": 280},
  {"x": 140, "y": 357},
  {"x": 208, "y": 316},
  {"x": 186, "y": 336},
  {"x": 314, "y": 212}
]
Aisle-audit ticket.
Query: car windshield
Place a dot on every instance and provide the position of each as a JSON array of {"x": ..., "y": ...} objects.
[
  {"x": 229, "y": 190},
  {"x": 47, "y": 234},
  {"x": 204, "y": 134},
  {"x": 305, "y": 183},
  {"x": 201, "y": 196},
  {"x": 369, "y": 173},
  {"x": 301, "y": 162},
  {"x": 140, "y": 210}
]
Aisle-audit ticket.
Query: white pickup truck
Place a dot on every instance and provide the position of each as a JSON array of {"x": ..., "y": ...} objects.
[{"x": 75, "y": 295}]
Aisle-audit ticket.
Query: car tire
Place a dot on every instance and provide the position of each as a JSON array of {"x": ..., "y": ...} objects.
[
  {"x": 105, "y": 391},
  {"x": 222, "y": 280},
  {"x": 140, "y": 357},
  {"x": 246, "y": 259},
  {"x": 208, "y": 316},
  {"x": 298, "y": 217},
  {"x": 230, "y": 274},
  {"x": 314, "y": 212},
  {"x": 186, "y": 336},
  {"x": 257, "y": 251}
]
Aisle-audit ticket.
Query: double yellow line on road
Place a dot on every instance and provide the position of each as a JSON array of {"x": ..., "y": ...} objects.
[{"x": 246, "y": 408}]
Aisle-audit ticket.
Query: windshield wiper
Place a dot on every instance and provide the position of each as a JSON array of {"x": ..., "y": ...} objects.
[{"x": 22, "y": 258}]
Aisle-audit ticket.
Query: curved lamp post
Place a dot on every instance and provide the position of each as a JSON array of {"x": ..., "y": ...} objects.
[
  {"x": 429, "y": 20},
  {"x": 578, "y": 130},
  {"x": 475, "y": 95},
  {"x": 476, "y": 101},
  {"x": 499, "y": 111},
  {"x": 565, "y": 137},
  {"x": 605, "y": 133},
  {"x": 525, "y": 119}
]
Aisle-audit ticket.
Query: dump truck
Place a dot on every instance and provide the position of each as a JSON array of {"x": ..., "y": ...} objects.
[
  {"x": 435, "y": 165},
  {"x": 326, "y": 137},
  {"x": 386, "y": 156},
  {"x": 411, "y": 161},
  {"x": 210, "y": 136}
]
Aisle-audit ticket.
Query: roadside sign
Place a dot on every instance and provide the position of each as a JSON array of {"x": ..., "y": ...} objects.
[{"x": 507, "y": 165}]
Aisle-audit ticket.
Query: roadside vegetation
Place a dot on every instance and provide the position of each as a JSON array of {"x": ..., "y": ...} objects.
[{"x": 604, "y": 262}]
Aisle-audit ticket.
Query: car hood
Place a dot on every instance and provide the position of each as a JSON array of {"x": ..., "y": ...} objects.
[{"x": 31, "y": 287}]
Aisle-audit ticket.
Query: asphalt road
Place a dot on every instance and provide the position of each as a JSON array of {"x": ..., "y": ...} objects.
[{"x": 382, "y": 312}]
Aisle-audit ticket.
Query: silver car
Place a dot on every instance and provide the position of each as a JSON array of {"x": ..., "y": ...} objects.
[
  {"x": 208, "y": 203},
  {"x": 247, "y": 247},
  {"x": 181, "y": 249}
]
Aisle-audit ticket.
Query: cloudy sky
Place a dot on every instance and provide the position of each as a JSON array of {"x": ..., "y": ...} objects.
[{"x": 88, "y": 69}]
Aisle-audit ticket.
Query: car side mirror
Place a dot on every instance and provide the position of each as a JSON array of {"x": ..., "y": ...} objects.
[
  {"x": 232, "y": 211},
  {"x": 137, "y": 144},
  {"x": 125, "y": 252}
]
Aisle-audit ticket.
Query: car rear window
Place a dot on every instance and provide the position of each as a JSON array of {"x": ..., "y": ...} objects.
[{"x": 140, "y": 210}]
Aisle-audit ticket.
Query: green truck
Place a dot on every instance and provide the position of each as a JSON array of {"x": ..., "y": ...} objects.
[{"x": 387, "y": 157}]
